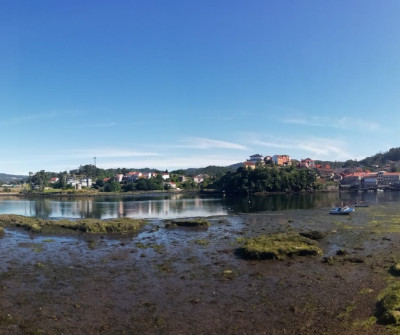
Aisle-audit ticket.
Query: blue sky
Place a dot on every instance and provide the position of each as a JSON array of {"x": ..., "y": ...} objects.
[{"x": 178, "y": 84}]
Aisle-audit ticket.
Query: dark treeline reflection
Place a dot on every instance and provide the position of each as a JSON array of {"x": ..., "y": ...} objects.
[
  {"x": 181, "y": 205},
  {"x": 278, "y": 202}
]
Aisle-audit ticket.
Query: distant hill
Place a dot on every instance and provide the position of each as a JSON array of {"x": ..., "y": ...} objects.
[
  {"x": 9, "y": 178},
  {"x": 211, "y": 170},
  {"x": 382, "y": 158},
  {"x": 379, "y": 159}
]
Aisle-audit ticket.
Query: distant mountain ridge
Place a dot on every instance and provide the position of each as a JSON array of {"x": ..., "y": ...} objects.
[
  {"x": 378, "y": 159},
  {"x": 7, "y": 178},
  {"x": 382, "y": 158},
  {"x": 210, "y": 170}
]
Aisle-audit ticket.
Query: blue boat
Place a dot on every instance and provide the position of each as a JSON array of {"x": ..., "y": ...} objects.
[{"x": 346, "y": 210}]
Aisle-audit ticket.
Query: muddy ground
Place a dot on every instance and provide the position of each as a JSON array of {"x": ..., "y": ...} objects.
[{"x": 190, "y": 281}]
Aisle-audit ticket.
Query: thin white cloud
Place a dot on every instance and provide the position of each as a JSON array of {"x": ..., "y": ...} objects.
[
  {"x": 303, "y": 122},
  {"x": 339, "y": 123},
  {"x": 206, "y": 143},
  {"x": 82, "y": 155},
  {"x": 320, "y": 148},
  {"x": 172, "y": 163},
  {"x": 111, "y": 153},
  {"x": 26, "y": 118}
]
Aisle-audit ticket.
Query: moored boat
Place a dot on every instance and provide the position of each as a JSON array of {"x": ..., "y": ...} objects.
[{"x": 346, "y": 210}]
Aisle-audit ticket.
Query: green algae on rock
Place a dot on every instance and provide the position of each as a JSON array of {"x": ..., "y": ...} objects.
[
  {"x": 188, "y": 223},
  {"x": 119, "y": 225},
  {"x": 278, "y": 246},
  {"x": 389, "y": 306}
]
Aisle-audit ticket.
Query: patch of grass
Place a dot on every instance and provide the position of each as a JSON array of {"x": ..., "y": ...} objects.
[
  {"x": 2, "y": 231},
  {"x": 95, "y": 226},
  {"x": 346, "y": 313},
  {"x": 278, "y": 246},
  {"x": 188, "y": 223},
  {"x": 364, "y": 324},
  {"x": 388, "y": 308},
  {"x": 366, "y": 290}
]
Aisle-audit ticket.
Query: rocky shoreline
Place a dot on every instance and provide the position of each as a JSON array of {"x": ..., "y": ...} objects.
[{"x": 191, "y": 280}]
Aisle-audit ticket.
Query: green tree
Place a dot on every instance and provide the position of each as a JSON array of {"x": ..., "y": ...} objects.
[
  {"x": 112, "y": 186},
  {"x": 40, "y": 180}
]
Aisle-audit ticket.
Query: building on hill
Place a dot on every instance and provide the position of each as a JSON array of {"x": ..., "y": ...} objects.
[
  {"x": 388, "y": 178},
  {"x": 281, "y": 159},
  {"x": 53, "y": 180},
  {"x": 371, "y": 180},
  {"x": 249, "y": 165},
  {"x": 257, "y": 158},
  {"x": 267, "y": 159},
  {"x": 351, "y": 181},
  {"x": 86, "y": 182},
  {"x": 199, "y": 178},
  {"x": 307, "y": 163},
  {"x": 132, "y": 176},
  {"x": 170, "y": 185}
]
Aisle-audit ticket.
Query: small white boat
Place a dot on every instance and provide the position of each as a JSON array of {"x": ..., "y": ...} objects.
[{"x": 346, "y": 210}]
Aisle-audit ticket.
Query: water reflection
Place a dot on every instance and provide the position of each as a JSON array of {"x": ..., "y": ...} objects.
[
  {"x": 162, "y": 207},
  {"x": 180, "y": 205}
]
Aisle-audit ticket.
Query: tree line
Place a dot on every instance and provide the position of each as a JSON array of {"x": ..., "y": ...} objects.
[{"x": 266, "y": 179}]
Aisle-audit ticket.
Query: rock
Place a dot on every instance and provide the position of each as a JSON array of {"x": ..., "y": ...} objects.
[{"x": 314, "y": 234}]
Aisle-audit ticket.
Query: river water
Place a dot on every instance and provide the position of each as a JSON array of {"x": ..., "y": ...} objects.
[{"x": 169, "y": 206}]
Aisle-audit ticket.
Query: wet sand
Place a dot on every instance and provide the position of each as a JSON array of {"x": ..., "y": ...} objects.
[{"x": 190, "y": 281}]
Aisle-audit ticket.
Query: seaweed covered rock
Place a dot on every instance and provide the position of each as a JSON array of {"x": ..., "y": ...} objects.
[
  {"x": 278, "y": 246},
  {"x": 389, "y": 306},
  {"x": 314, "y": 234},
  {"x": 1, "y": 231},
  {"x": 119, "y": 225},
  {"x": 188, "y": 223}
]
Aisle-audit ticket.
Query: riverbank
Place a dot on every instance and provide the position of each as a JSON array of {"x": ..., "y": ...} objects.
[
  {"x": 93, "y": 193},
  {"x": 190, "y": 280}
]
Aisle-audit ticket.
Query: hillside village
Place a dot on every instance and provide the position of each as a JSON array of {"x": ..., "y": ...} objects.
[
  {"x": 349, "y": 178},
  {"x": 89, "y": 176},
  {"x": 350, "y": 175}
]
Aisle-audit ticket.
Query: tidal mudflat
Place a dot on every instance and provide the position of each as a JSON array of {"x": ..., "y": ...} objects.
[{"x": 192, "y": 280}]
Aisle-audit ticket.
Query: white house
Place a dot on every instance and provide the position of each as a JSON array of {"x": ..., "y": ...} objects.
[
  {"x": 198, "y": 179},
  {"x": 132, "y": 176},
  {"x": 86, "y": 182},
  {"x": 171, "y": 185}
]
